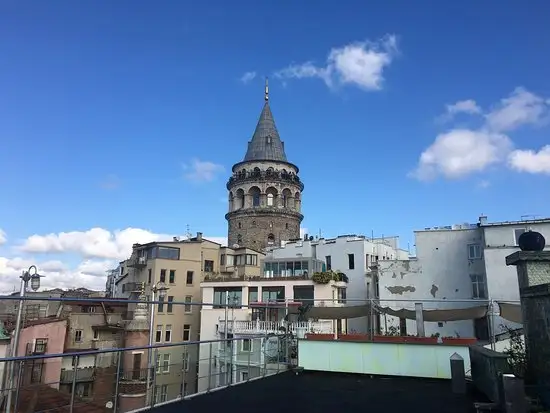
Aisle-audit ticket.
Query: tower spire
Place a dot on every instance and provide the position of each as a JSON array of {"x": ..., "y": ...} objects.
[{"x": 266, "y": 97}]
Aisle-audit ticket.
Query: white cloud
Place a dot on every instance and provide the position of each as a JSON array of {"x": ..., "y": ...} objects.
[
  {"x": 96, "y": 242},
  {"x": 460, "y": 152},
  {"x": 3, "y": 237},
  {"x": 531, "y": 161},
  {"x": 100, "y": 250},
  {"x": 483, "y": 184},
  {"x": 361, "y": 64},
  {"x": 520, "y": 108},
  {"x": 202, "y": 171},
  {"x": 248, "y": 77}
]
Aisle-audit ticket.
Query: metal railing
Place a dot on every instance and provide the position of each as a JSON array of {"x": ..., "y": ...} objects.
[{"x": 120, "y": 377}]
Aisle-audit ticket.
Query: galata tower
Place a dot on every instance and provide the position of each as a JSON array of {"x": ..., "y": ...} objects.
[{"x": 265, "y": 192}]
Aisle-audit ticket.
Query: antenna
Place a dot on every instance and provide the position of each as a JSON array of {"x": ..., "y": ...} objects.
[
  {"x": 266, "y": 97},
  {"x": 188, "y": 231}
]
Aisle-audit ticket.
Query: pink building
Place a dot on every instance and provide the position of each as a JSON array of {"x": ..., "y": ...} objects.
[{"x": 46, "y": 336}]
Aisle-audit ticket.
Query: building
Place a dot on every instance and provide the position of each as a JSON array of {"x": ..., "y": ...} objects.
[
  {"x": 353, "y": 255},
  {"x": 459, "y": 262},
  {"x": 4, "y": 352},
  {"x": 265, "y": 191},
  {"x": 247, "y": 307}
]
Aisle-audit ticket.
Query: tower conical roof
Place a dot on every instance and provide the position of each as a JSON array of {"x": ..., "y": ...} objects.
[{"x": 266, "y": 144}]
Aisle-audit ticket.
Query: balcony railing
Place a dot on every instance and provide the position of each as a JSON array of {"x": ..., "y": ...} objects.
[
  {"x": 269, "y": 327},
  {"x": 82, "y": 375}
]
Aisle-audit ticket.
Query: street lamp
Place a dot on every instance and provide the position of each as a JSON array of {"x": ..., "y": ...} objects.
[
  {"x": 160, "y": 290},
  {"x": 30, "y": 275}
]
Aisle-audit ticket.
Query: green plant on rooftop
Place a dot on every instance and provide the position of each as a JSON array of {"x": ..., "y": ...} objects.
[
  {"x": 327, "y": 276},
  {"x": 516, "y": 352}
]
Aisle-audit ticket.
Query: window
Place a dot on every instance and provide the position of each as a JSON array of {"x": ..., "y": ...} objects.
[
  {"x": 78, "y": 336},
  {"x": 136, "y": 370},
  {"x": 271, "y": 239},
  {"x": 239, "y": 237},
  {"x": 149, "y": 275},
  {"x": 96, "y": 335},
  {"x": 517, "y": 234},
  {"x": 187, "y": 307},
  {"x": 244, "y": 375},
  {"x": 367, "y": 262},
  {"x": 172, "y": 277},
  {"x": 168, "y": 333},
  {"x": 158, "y": 334},
  {"x": 478, "y": 286},
  {"x": 186, "y": 361},
  {"x": 270, "y": 200},
  {"x": 161, "y": 304},
  {"x": 474, "y": 252},
  {"x": 351, "y": 261},
  {"x": 162, "y": 276},
  {"x": 36, "y": 371},
  {"x": 341, "y": 295},
  {"x": 189, "y": 278},
  {"x": 167, "y": 253},
  {"x": 329, "y": 262},
  {"x": 159, "y": 367},
  {"x": 169, "y": 306},
  {"x": 234, "y": 298},
  {"x": 304, "y": 294},
  {"x": 253, "y": 294},
  {"x": 161, "y": 393},
  {"x": 256, "y": 199},
  {"x": 208, "y": 266},
  {"x": 222, "y": 259},
  {"x": 246, "y": 345},
  {"x": 403, "y": 326},
  {"x": 186, "y": 332},
  {"x": 166, "y": 363},
  {"x": 273, "y": 294},
  {"x": 246, "y": 259}
]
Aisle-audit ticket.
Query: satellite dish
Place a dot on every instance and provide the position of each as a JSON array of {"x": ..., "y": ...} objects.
[
  {"x": 109, "y": 405},
  {"x": 271, "y": 347}
]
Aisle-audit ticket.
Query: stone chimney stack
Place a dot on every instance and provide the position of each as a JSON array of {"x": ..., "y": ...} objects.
[{"x": 533, "y": 267}]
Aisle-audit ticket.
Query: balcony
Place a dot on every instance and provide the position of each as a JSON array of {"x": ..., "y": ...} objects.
[
  {"x": 270, "y": 327},
  {"x": 82, "y": 375},
  {"x": 137, "y": 262}
]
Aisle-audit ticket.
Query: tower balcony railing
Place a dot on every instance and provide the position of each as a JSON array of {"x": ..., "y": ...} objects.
[{"x": 264, "y": 176}]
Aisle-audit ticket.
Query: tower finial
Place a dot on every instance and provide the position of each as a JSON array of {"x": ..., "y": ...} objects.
[{"x": 266, "y": 90}]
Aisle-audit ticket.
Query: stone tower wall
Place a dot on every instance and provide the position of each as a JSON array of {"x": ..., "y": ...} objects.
[{"x": 264, "y": 204}]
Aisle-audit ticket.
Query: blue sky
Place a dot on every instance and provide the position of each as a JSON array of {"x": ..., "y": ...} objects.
[{"x": 107, "y": 107}]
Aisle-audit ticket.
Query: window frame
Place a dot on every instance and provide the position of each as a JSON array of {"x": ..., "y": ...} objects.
[{"x": 475, "y": 248}]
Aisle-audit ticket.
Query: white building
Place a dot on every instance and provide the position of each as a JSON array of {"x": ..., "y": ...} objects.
[
  {"x": 459, "y": 262},
  {"x": 352, "y": 255},
  {"x": 258, "y": 309}
]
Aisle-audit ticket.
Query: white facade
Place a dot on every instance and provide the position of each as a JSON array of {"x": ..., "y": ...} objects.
[
  {"x": 462, "y": 262},
  {"x": 352, "y": 255},
  {"x": 248, "y": 355}
]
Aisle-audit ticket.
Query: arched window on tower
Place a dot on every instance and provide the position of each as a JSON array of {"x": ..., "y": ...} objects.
[
  {"x": 239, "y": 239},
  {"x": 286, "y": 198},
  {"x": 271, "y": 196},
  {"x": 238, "y": 201},
  {"x": 239, "y": 225},
  {"x": 254, "y": 192},
  {"x": 270, "y": 239}
]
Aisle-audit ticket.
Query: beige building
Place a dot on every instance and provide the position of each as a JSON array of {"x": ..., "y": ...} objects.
[{"x": 181, "y": 265}]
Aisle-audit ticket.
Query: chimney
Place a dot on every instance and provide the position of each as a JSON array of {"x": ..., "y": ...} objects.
[
  {"x": 199, "y": 236},
  {"x": 482, "y": 220}
]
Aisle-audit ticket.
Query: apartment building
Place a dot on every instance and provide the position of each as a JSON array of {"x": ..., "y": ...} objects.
[
  {"x": 261, "y": 310},
  {"x": 458, "y": 262},
  {"x": 353, "y": 255},
  {"x": 180, "y": 265}
]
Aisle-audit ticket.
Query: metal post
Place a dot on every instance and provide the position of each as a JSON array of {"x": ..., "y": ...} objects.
[
  {"x": 11, "y": 369},
  {"x": 150, "y": 349},
  {"x": 419, "y": 320},
  {"x": 210, "y": 366},
  {"x": 251, "y": 348},
  {"x": 19, "y": 375},
  {"x": 226, "y": 343},
  {"x": 73, "y": 385},
  {"x": 491, "y": 324},
  {"x": 118, "y": 366},
  {"x": 154, "y": 382},
  {"x": 371, "y": 320}
]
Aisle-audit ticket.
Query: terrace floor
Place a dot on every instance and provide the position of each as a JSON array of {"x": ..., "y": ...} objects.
[{"x": 329, "y": 392}]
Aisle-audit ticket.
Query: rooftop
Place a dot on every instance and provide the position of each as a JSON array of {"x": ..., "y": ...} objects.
[{"x": 329, "y": 392}]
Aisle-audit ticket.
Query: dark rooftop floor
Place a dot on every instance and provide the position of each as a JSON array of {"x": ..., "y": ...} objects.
[{"x": 329, "y": 392}]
